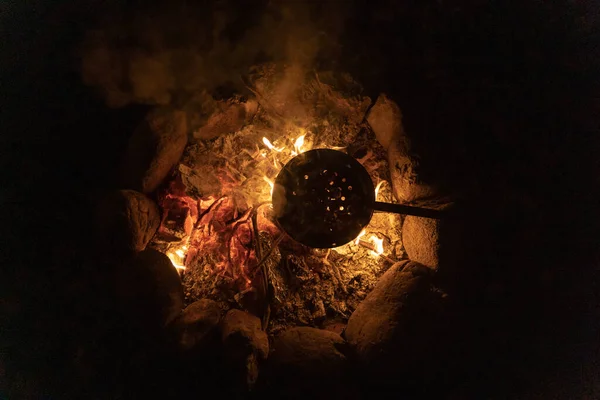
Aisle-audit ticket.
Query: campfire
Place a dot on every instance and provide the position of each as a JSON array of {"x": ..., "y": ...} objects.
[
  {"x": 252, "y": 242},
  {"x": 218, "y": 228}
]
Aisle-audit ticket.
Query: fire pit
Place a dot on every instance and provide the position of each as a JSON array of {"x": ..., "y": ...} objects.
[
  {"x": 216, "y": 271},
  {"x": 219, "y": 230}
]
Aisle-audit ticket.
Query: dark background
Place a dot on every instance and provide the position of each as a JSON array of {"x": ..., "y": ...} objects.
[{"x": 507, "y": 92}]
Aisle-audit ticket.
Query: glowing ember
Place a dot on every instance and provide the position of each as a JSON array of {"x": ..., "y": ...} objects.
[
  {"x": 378, "y": 245},
  {"x": 204, "y": 204},
  {"x": 268, "y": 143},
  {"x": 177, "y": 256}
]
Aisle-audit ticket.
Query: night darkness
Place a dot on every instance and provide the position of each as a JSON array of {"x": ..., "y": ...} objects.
[{"x": 507, "y": 91}]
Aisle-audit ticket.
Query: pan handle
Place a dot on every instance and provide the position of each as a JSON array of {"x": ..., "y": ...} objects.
[{"x": 408, "y": 210}]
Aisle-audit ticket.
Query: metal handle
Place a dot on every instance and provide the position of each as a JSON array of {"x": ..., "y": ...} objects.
[{"x": 408, "y": 210}]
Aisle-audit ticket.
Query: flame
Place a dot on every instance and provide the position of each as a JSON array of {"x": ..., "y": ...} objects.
[
  {"x": 378, "y": 244},
  {"x": 270, "y": 182},
  {"x": 177, "y": 256},
  {"x": 361, "y": 234},
  {"x": 270, "y": 145},
  {"x": 298, "y": 145},
  {"x": 377, "y": 188}
]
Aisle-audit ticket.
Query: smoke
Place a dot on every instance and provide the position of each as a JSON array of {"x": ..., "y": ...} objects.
[{"x": 164, "y": 53}]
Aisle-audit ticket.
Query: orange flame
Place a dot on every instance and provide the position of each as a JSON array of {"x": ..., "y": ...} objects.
[
  {"x": 270, "y": 182},
  {"x": 298, "y": 145},
  {"x": 177, "y": 256},
  {"x": 378, "y": 244},
  {"x": 268, "y": 143},
  {"x": 377, "y": 188},
  {"x": 361, "y": 234}
]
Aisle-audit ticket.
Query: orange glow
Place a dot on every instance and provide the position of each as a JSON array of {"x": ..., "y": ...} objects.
[
  {"x": 377, "y": 188},
  {"x": 206, "y": 203},
  {"x": 377, "y": 244},
  {"x": 177, "y": 256},
  {"x": 270, "y": 145},
  {"x": 361, "y": 234},
  {"x": 270, "y": 182}
]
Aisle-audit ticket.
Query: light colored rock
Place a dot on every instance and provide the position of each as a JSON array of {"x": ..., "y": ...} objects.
[
  {"x": 126, "y": 221},
  {"x": 245, "y": 345},
  {"x": 408, "y": 183},
  {"x": 221, "y": 117},
  {"x": 380, "y": 315},
  {"x": 309, "y": 363},
  {"x": 155, "y": 147},
  {"x": 197, "y": 325},
  {"x": 308, "y": 351},
  {"x": 385, "y": 119},
  {"x": 405, "y": 175},
  {"x": 241, "y": 333},
  {"x": 304, "y": 97},
  {"x": 421, "y": 238},
  {"x": 437, "y": 244},
  {"x": 395, "y": 329}
]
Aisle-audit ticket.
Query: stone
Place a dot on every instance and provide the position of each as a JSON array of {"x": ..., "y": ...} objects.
[
  {"x": 395, "y": 331},
  {"x": 406, "y": 175},
  {"x": 385, "y": 119},
  {"x": 242, "y": 334},
  {"x": 309, "y": 351},
  {"x": 435, "y": 243},
  {"x": 410, "y": 181},
  {"x": 421, "y": 240},
  {"x": 219, "y": 117},
  {"x": 309, "y": 363},
  {"x": 150, "y": 289},
  {"x": 196, "y": 338},
  {"x": 198, "y": 326},
  {"x": 154, "y": 148},
  {"x": 245, "y": 346},
  {"x": 126, "y": 221}
]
